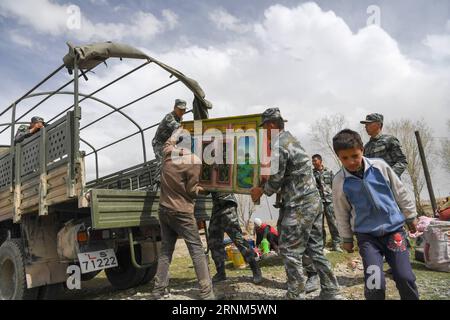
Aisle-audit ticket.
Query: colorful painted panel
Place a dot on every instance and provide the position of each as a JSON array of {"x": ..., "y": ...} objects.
[
  {"x": 246, "y": 150},
  {"x": 236, "y": 146}
]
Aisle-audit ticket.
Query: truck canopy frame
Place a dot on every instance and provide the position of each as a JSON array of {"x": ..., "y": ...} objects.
[
  {"x": 48, "y": 168},
  {"x": 82, "y": 59}
]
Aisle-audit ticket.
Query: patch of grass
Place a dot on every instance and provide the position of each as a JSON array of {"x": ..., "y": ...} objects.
[
  {"x": 336, "y": 258},
  {"x": 432, "y": 285}
]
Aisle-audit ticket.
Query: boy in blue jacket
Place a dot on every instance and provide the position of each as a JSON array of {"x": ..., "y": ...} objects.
[{"x": 372, "y": 203}]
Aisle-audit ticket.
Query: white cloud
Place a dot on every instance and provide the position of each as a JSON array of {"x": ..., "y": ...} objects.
[
  {"x": 48, "y": 17},
  {"x": 439, "y": 44},
  {"x": 171, "y": 18},
  {"x": 308, "y": 63},
  {"x": 304, "y": 60},
  {"x": 226, "y": 21},
  {"x": 144, "y": 27},
  {"x": 21, "y": 40},
  {"x": 99, "y": 2},
  {"x": 43, "y": 15}
]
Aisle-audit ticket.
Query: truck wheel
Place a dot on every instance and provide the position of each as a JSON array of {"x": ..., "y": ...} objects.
[
  {"x": 150, "y": 273},
  {"x": 125, "y": 276},
  {"x": 13, "y": 285}
]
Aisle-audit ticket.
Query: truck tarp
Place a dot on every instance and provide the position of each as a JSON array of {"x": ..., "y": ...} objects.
[{"x": 89, "y": 56}]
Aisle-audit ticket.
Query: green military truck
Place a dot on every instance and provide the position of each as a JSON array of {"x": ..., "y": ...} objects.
[{"x": 51, "y": 218}]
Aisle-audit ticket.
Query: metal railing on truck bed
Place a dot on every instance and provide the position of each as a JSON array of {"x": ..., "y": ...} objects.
[
  {"x": 140, "y": 180},
  {"x": 40, "y": 171}
]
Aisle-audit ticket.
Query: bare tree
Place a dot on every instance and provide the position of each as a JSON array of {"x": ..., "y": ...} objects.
[
  {"x": 245, "y": 210},
  {"x": 445, "y": 151},
  {"x": 324, "y": 129},
  {"x": 404, "y": 130}
]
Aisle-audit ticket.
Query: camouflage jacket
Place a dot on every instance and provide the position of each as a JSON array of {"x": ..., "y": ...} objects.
[
  {"x": 294, "y": 178},
  {"x": 388, "y": 148},
  {"x": 165, "y": 129},
  {"x": 22, "y": 133},
  {"x": 324, "y": 181},
  {"x": 223, "y": 200}
]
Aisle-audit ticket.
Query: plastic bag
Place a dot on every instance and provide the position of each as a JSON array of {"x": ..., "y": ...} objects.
[{"x": 437, "y": 246}]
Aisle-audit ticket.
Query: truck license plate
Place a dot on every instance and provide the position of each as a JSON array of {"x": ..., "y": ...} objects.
[{"x": 97, "y": 260}]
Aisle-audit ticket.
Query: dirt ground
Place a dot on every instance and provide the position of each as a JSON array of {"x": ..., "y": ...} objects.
[{"x": 183, "y": 285}]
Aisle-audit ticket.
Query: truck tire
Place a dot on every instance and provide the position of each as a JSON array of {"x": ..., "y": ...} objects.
[
  {"x": 13, "y": 285},
  {"x": 125, "y": 276},
  {"x": 150, "y": 273}
]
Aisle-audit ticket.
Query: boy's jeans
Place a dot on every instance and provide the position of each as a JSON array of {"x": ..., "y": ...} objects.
[{"x": 394, "y": 247}]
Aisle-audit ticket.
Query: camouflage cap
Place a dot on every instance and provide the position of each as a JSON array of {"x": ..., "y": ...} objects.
[
  {"x": 271, "y": 114},
  {"x": 180, "y": 104},
  {"x": 373, "y": 117},
  {"x": 37, "y": 119}
]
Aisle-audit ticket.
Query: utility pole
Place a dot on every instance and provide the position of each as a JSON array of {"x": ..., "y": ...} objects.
[{"x": 426, "y": 172}]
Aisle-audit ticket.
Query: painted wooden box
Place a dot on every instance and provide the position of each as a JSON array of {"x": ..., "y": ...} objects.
[{"x": 230, "y": 149}]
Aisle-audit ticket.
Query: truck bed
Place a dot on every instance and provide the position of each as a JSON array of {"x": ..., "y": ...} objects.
[{"x": 130, "y": 185}]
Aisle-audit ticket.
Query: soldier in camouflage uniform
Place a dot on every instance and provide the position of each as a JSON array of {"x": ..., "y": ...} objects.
[
  {"x": 25, "y": 131},
  {"x": 166, "y": 127},
  {"x": 383, "y": 146},
  {"x": 300, "y": 211},
  {"x": 324, "y": 181},
  {"x": 224, "y": 219},
  {"x": 324, "y": 178}
]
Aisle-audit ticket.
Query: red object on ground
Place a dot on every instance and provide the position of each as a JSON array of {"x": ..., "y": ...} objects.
[
  {"x": 444, "y": 215},
  {"x": 272, "y": 229},
  {"x": 257, "y": 252}
]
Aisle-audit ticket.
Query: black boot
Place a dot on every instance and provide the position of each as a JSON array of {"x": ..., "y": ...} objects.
[
  {"x": 220, "y": 275},
  {"x": 256, "y": 270}
]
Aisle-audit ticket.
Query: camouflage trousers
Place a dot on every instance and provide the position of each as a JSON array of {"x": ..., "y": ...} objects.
[
  {"x": 226, "y": 220},
  {"x": 157, "y": 150},
  {"x": 332, "y": 224},
  {"x": 302, "y": 239},
  {"x": 336, "y": 239}
]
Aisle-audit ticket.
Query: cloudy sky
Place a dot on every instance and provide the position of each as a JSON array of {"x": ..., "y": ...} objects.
[{"x": 308, "y": 58}]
